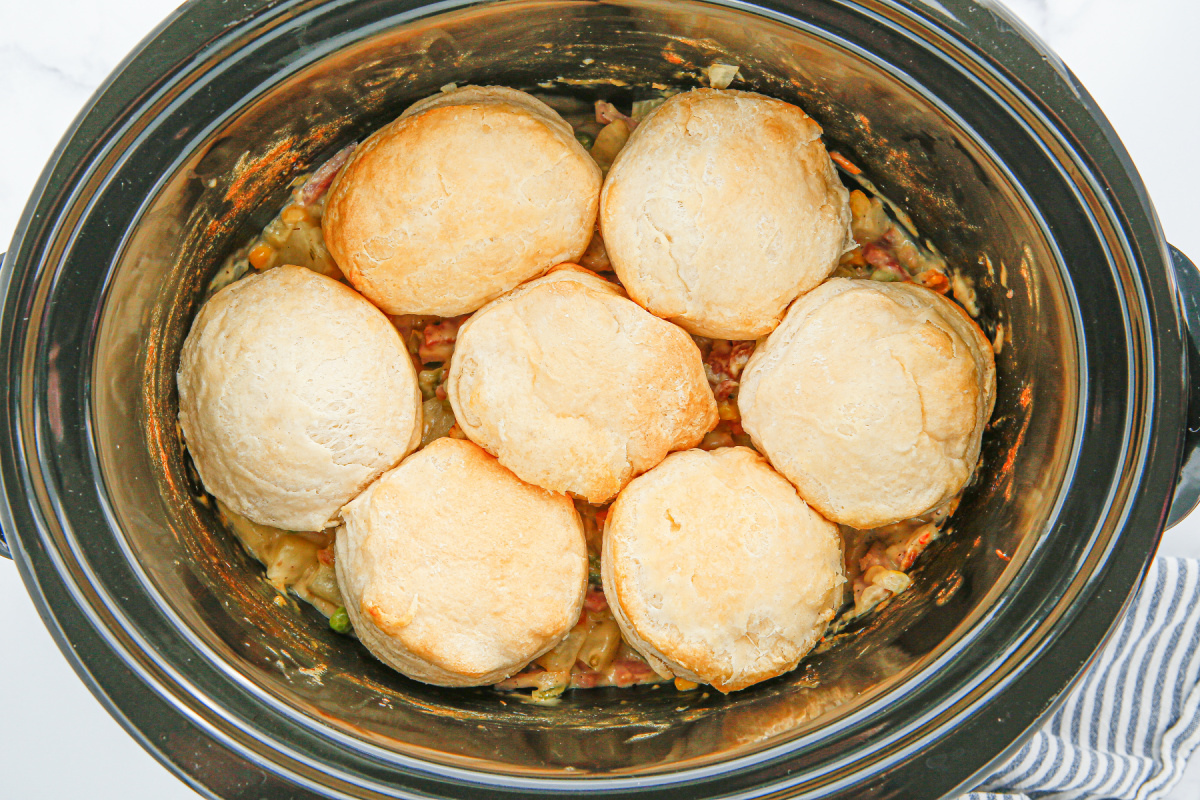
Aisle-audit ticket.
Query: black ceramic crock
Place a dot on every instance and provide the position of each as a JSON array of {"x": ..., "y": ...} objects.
[{"x": 953, "y": 110}]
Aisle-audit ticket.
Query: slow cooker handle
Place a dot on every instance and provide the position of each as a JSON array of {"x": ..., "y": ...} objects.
[
  {"x": 1187, "y": 488},
  {"x": 4, "y": 549}
]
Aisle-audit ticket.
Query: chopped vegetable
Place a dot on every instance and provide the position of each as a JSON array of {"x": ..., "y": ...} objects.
[
  {"x": 301, "y": 242},
  {"x": 609, "y": 141},
  {"x": 339, "y": 621},
  {"x": 728, "y": 410},
  {"x": 844, "y": 163},
  {"x": 293, "y": 215},
  {"x": 600, "y": 646},
  {"x": 562, "y": 657},
  {"x": 549, "y": 693},
  {"x": 935, "y": 280},
  {"x": 642, "y": 108},
  {"x": 585, "y": 139},
  {"x": 262, "y": 256},
  {"x": 437, "y": 420},
  {"x": 323, "y": 583},
  {"x": 429, "y": 380},
  {"x": 721, "y": 75}
]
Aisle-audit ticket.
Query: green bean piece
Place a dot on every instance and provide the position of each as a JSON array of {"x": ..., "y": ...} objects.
[
  {"x": 428, "y": 380},
  {"x": 544, "y": 695},
  {"x": 339, "y": 621}
]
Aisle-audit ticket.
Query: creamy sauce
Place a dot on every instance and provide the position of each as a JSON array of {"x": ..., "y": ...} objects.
[{"x": 299, "y": 562}]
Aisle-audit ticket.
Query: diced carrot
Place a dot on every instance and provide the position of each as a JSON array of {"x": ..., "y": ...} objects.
[
  {"x": 844, "y": 163},
  {"x": 935, "y": 280}
]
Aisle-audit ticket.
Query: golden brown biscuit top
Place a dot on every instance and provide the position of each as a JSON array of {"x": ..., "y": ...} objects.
[
  {"x": 455, "y": 571},
  {"x": 872, "y": 398},
  {"x": 716, "y": 568},
  {"x": 294, "y": 394},
  {"x": 721, "y": 209},
  {"x": 576, "y": 388},
  {"x": 466, "y": 195}
]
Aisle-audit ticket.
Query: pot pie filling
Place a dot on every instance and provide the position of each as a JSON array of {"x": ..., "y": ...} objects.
[{"x": 886, "y": 247}]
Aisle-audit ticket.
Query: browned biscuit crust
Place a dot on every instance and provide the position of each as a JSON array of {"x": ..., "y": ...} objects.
[
  {"x": 872, "y": 399},
  {"x": 466, "y": 195},
  {"x": 721, "y": 209},
  {"x": 457, "y": 573},
  {"x": 574, "y": 387},
  {"x": 294, "y": 394},
  {"x": 717, "y": 571}
]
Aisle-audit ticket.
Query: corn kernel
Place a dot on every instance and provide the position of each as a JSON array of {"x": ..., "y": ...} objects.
[
  {"x": 293, "y": 214},
  {"x": 261, "y": 255}
]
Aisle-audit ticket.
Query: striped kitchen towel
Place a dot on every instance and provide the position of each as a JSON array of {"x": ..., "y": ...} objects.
[{"x": 1127, "y": 729}]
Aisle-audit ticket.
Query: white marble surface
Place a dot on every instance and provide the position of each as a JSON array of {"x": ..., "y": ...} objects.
[{"x": 1139, "y": 60}]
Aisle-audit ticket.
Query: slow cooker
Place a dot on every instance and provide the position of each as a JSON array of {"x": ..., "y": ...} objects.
[{"x": 952, "y": 109}]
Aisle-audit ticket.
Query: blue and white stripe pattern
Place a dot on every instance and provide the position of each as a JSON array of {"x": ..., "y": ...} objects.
[{"x": 1127, "y": 729}]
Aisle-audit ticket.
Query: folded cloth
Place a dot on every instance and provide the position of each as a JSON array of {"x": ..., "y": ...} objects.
[{"x": 1128, "y": 727}]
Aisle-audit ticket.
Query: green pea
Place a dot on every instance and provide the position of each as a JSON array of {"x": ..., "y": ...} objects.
[
  {"x": 339, "y": 621},
  {"x": 585, "y": 139}
]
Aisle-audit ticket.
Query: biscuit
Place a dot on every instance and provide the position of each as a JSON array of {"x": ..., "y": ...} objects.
[
  {"x": 872, "y": 399},
  {"x": 721, "y": 209},
  {"x": 457, "y": 573},
  {"x": 576, "y": 388},
  {"x": 294, "y": 394},
  {"x": 468, "y": 194},
  {"x": 717, "y": 571}
]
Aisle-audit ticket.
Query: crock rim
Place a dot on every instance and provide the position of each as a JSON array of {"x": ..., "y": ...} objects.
[{"x": 1144, "y": 514}]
